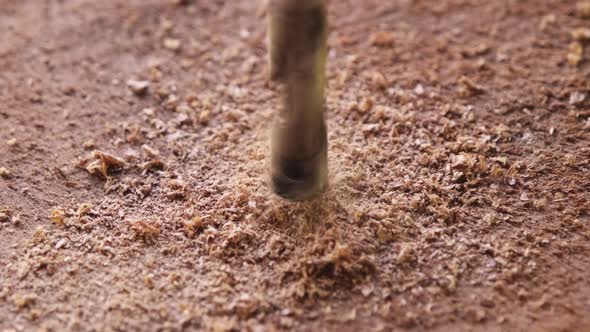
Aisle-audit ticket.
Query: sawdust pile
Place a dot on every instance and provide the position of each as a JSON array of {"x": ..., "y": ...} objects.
[{"x": 459, "y": 192}]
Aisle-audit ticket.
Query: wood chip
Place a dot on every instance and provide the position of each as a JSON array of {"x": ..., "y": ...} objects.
[
  {"x": 172, "y": 44},
  {"x": 469, "y": 88},
  {"x": 575, "y": 52},
  {"x": 5, "y": 215},
  {"x": 366, "y": 105},
  {"x": 581, "y": 34},
  {"x": 583, "y": 8},
  {"x": 89, "y": 144},
  {"x": 5, "y": 173},
  {"x": 577, "y": 98},
  {"x": 382, "y": 39},
  {"x": 138, "y": 87},
  {"x": 204, "y": 118},
  {"x": 546, "y": 21},
  {"x": 24, "y": 300},
  {"x": 379, "y": 80},
  {"x": 150, "y": 152}
]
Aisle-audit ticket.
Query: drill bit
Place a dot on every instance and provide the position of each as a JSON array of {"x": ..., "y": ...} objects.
[{"x": 297, "y": 59}]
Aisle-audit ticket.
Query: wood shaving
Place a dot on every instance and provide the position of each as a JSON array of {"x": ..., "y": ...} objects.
[
  {"x": 145, "y": 231},
  {"x": 103, "y": 162},
  {"x": 58, "y": 216},
  {"x": 191, "y": 227},
  {"x": 84, "y": 209}
]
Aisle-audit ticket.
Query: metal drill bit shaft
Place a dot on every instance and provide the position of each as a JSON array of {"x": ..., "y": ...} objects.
[{"x": 297, "y": 58}]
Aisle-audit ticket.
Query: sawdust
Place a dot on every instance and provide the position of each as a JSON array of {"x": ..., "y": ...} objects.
[{"x": 458, "y": 164}]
